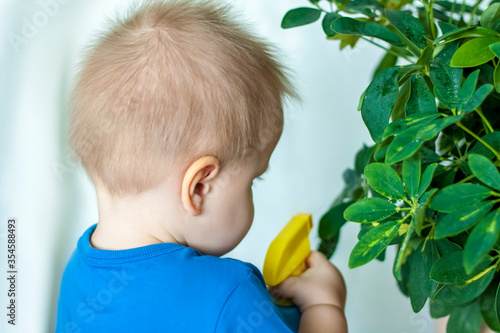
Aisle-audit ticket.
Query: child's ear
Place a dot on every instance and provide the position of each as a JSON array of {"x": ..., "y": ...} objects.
[{"x": 195, "y": 184}]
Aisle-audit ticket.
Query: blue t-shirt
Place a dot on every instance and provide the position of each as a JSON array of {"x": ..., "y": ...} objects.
[{"x": 162, "y": 287}]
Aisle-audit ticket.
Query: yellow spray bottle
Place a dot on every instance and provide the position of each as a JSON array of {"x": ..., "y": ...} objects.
[{"x": 287, "y": 253}]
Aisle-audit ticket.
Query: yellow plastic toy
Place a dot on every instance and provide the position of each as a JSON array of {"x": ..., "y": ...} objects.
[{"x": 288, "y": 251}]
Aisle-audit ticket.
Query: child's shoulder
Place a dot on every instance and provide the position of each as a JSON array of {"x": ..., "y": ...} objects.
[{"x": 229, "y": 267}]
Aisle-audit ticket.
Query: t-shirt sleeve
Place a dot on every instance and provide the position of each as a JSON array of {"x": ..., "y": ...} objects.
[{"x": 249, "y": 308}]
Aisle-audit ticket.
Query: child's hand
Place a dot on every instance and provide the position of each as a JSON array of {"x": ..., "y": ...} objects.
[{"x": 321, "y": 283}]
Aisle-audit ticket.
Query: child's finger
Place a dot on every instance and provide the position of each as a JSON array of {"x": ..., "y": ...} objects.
[
  {"x": 286, "y": 288},
  {"x": 314, "y": 258}
]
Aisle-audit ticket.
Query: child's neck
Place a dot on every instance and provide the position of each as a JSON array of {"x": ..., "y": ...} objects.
[
  {"x": 132, "y": 222},
  {"x": 105, "y": 237}
]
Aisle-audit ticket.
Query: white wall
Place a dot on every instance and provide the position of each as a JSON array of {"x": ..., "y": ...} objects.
[{"x": 54, "y": 201}]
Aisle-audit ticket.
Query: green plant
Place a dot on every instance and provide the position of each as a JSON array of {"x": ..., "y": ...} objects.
[{"x": 430, "y": 182}]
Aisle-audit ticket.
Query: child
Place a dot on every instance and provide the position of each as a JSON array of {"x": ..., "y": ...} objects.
[{"x": 175, "y": 111}]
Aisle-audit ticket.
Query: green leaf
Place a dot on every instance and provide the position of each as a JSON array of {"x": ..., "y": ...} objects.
[
  {"x": 383, "y": 179},
  {"x": 438, "y": 309},
  {"x": 327, "y": 23},
  {"x": 481, "y": 240},
  {"x": 469, "y": 100},
  {"x": 459, "y": 294},
  {"x": 362, "y": 159},
  {"x": 426, "y": 197},
  {"x": 399, "y": 126},
  {"x": 411, "y": 174},
  {"x": 468, "y": 87},
  {"x": 497, "y": 303},
  {"x": 448, "y": 6},
  {"x": 418, "y": 220},
  {"x": 444, "y": 177},
  {"x": 328, "y": 246},
  {"x": 478, "y": 98},
  {"x": 420, "y": 284},
  {"x": 484, "y": 170},
  {"x": 457, "y": 196},
  {"x": 380, "y": 153},
  {"x": 410, "y": 140},
  {"x": 465, "y": 319},
  {"x": 426, "y": 179},
  {"x": 428, "y": 156},
  {"x": 491, "y": 15},
  {"x": 349, "y": 26},
  {"x": 404, "y": 145},
  {"x": 474, "y": 52},
  {"x": 401, "y": 256},
  {"x": 495, "y": 48},
  {"x": 421, "y": 99},
  {"x": 378, "y": 101},
  {"x": 488, "y": 309},
  {"x": 493, "y": 139},
  {"x": 432, "y": 128},
  {"x": 462, "y": 219},
  {"x": 450, "y": 268},
  {"x": 373, "y": 243},
  {"x": 408, "y": 25},
  {"x": 446, "y": 246},
  {"x": 389, "y": 60},
  {"x": 426, "y": 56},
  {"x": 369, "y": 210},
  {"x": 398, "y": 110},
  {"x": 446, "y": 79},
  {"x": 466, "y": 33},
  {"x": 496, "y": 77},
  {"x": 300, "y": 16},
  {"x": 345, "y": 40},
  {"x": 333, "y": 220},
  {"x": 447, "y": 27},
  {"x": 408, "y": 70},
  {"x": 364, "y": 7}
]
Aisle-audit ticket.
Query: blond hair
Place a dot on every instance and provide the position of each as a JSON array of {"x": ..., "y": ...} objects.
[{"x": 170, "y": 82}]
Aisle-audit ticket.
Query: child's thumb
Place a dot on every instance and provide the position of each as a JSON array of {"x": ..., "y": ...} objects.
[{"x": 285, "y": 289}]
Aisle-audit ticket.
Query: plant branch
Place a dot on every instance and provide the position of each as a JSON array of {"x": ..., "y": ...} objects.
[
  {"x": 458, "y": 149},
  {"x": 387, "y": 50},
  {"x": 462, "y": 10},
  {"x": 431, "y": 19},
  {"x": 485, "y": 121},
  {"x": 473, "y": 13},
  {"x": 452, "y": 11},
  {"x": 467, "y": 179},
  {"x": 319, "y": 7},
  {"x": 493, "y": 150}
]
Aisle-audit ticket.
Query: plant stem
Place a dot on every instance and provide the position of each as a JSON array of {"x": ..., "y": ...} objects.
[
  {"x": 387, "y": 50},
  {"x": 467, "y": 146},
  {"x": 466, "y": 179},
  {"x": 473, "y": 13},
  {"x": 319, "y": 7},
  {"x": 485, "y": 121},
  {"x": 431, "y": 19},
  {"x": 452, "y": 11},
  {"x": 493, "y": 150},
  {"x": 458, "y": 149},
  {"x": 462, "y": 11}
]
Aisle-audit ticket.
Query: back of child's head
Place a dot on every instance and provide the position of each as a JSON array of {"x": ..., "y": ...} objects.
[{"x": 168, "y": 83}]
